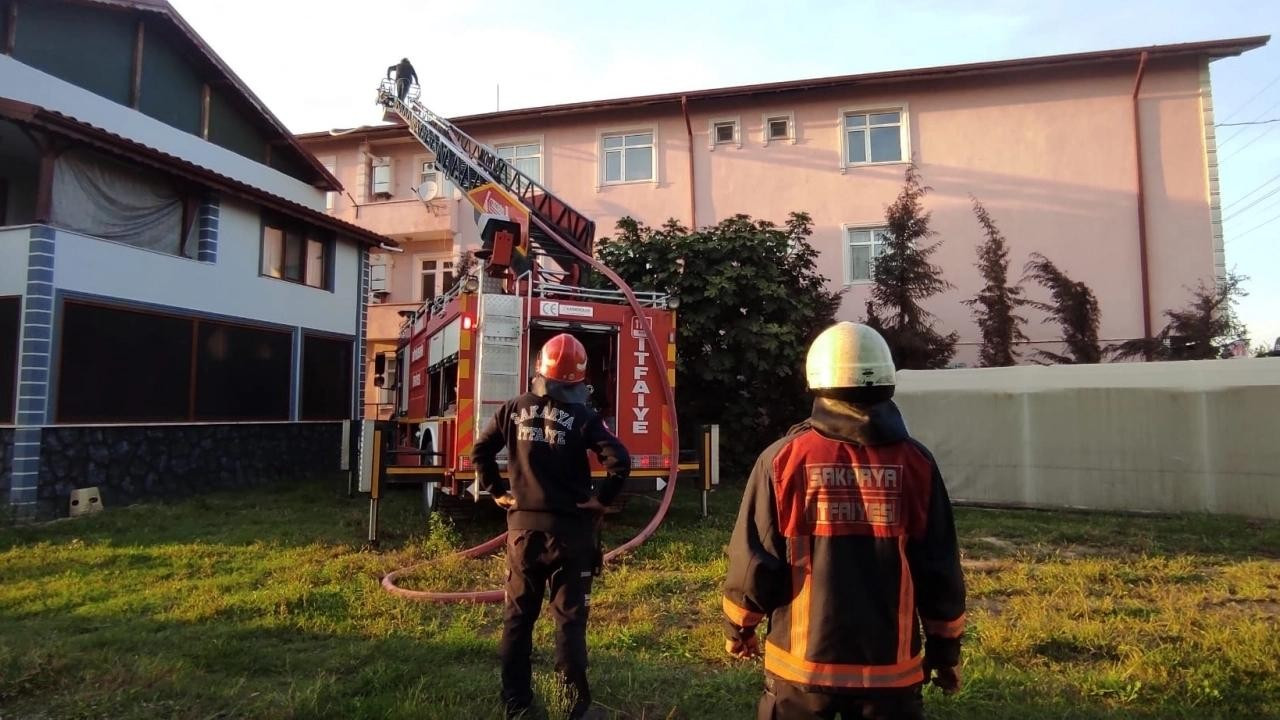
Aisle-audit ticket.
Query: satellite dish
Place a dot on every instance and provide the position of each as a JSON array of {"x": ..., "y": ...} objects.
[{"x": 428, "y": 190}]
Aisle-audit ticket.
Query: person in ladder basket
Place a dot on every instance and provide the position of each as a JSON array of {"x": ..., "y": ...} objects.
[
  {"x": 844, "y": 537},
  {"x": 552, "y": 515},
  {"x": 405, "y": 76}
]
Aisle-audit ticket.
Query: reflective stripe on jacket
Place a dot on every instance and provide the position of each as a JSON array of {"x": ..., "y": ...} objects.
[{"x": 845, "y": 541}]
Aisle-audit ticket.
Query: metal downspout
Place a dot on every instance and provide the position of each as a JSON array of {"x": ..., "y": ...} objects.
[
  {"x": 1142, "y": 203},
  {"x": 688, "y": 127}
]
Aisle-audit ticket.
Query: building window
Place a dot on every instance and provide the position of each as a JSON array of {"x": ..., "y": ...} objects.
[
  {"x": 378, "y": 282},
  {"x": 526, "y": 157},
  {"x": 874, "y": 137},
  {"x": 724, "y": 132},
  {"x": 779, "y": 127},
  {"x": 120, "y": 365},
  {"x": 437, "y": 277},
  {"x": 9, "y": 309},
  {"x": 628, "y": 158},
  {"x": 427, "y": 172},
  {"x": 380, "y": 177},
  {"x": 863, "y": 245},
  {"x": 241, "y": 373},
  {"x": 293, "y": 252},
  {"x": 326, "y": 378},
  {"x": 106, "y": 198},
  {"x": 330, "y": 163},
  {"x": 123, "y": 365}
]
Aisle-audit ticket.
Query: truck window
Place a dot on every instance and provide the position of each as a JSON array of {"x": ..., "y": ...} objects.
[{"x": 443, "y": 388}]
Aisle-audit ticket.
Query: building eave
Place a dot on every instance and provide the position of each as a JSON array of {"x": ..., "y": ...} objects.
[
  {"x": 1212, "y": 49},
  {"x": 162, "y": 8},
  {"x": 130, "y": 150}
]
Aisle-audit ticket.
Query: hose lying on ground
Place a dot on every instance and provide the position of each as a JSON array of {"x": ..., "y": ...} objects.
[{"x": 488, "y": 546}]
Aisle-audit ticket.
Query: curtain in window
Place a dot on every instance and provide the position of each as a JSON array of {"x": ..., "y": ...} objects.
[{"x": 100, "y": 197}]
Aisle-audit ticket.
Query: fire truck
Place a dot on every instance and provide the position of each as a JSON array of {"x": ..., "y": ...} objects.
[{"x": 464, "y": 353}]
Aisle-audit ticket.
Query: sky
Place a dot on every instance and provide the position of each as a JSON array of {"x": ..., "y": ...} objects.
[{"x": 315, "y": 64}]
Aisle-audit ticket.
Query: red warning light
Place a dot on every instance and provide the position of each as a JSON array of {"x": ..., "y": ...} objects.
[{"x": 468, "y": 322}]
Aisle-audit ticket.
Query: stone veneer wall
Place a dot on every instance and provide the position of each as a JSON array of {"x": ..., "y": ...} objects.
[{"x": 132, "y": 463}]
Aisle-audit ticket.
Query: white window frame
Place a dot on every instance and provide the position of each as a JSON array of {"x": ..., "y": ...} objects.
[
  {"x": 374, "y": 164},
  {"x": 764, "y": 127},
  {"x": 600, "y": 157},
  {"x": 507, "y": 142},
  {"x": 330, "y": 163},
  {"x": 713, "y": 123},
  {"x": 847, "y": 256},
  {"x": 418, "y": 175},
  {"x": 380, "y": 284},
  {"x": 904, "y": 138},
  {"x": 441, "y": 259},
  {"x": 418, "y": 162}
]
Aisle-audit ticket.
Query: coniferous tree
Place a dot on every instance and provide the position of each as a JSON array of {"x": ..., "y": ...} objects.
[
  {"x": 903, "y": 278},
  {"x": 1196, "y": 332},
  {"x": 1074, "y": 307},
  {"x": 995, "y": 307}
]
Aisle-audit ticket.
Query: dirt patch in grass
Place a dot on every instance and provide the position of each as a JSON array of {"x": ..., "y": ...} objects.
[
  {"x": 997, "y": 544},
  {"x": 1268, "y": 607},
  {"x": 986, "y": 566},
  {"x": 1068, "y": 650},
  {"x": 991, "y": 606}
]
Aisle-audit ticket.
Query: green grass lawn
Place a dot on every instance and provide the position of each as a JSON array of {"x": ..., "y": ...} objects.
[{"x": 266, "y": 604}]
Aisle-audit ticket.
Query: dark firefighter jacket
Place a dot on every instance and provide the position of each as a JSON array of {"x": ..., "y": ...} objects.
[
  {"x": 547, "y": 441},
  {"x": 403, "y": 71},
  {"x": 844, "y": 537}
]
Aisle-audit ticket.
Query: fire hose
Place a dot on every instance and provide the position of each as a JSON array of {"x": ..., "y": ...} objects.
[{"x": 488, "y": 546}]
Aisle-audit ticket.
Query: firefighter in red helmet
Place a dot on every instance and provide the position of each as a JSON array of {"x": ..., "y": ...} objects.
[
  {"x": 551, "y": 515},
  {"x": 845, "y": 542}
]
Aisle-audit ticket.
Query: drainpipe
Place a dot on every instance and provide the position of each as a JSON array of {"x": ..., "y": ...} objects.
[
  {"x": 688, "y": 127},
  {"x": 1142, "y": 203}
]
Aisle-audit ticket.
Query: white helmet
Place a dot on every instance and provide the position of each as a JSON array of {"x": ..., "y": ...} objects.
[{"x": 849, "y": 355}]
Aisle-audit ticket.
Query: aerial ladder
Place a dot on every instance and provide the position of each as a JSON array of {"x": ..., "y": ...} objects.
[
  {"x": 536, "y": 225},
  {"x": 552, "y": 226}
]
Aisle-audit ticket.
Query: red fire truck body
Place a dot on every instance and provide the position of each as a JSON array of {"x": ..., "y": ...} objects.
[{"x": 465, "y": 354}]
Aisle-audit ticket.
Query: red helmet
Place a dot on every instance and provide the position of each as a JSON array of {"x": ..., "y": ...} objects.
[{"x": 564, "y": 359}]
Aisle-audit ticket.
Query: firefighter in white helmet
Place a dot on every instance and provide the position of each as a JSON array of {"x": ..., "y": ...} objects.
[{"x": 845, "y": 542}]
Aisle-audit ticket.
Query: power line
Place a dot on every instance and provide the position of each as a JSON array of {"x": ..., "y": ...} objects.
[
  {"x": 1242, "y": 148},
  {"x": 1242, "y": 131},
  {"x": 1244, "y": 197},
  {"x": 1267, "y": 208},
  {"x": 1245, "y": 209},
  {"x": 1255, "y": 96},
  {"x": 1254, "y": 122},
  {"x": 1255, "y": 227}
]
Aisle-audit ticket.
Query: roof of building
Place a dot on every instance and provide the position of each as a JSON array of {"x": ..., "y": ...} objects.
[
  {"x": 162, "y": 9},
  {"x": 1213, "y": 49},
  {"x": 134, "y": 151}
]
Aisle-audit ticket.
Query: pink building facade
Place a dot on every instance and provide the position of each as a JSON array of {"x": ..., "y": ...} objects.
[{"x": 1049, "y": 145}]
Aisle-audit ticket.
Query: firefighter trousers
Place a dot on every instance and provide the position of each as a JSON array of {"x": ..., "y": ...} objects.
[
  {"x": 785, "y": 701},
  {"x": 537, "y": 560}
]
